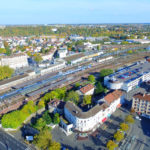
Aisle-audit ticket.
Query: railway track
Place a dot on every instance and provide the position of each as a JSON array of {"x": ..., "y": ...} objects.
[{"x": 96, "y": 68}]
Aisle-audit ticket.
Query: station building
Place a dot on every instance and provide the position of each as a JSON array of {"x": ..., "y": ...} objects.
[{"x": 129, "y": 77}]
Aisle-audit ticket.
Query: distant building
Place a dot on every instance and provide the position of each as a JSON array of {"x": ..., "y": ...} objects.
[
  {"x": 15, "y": 61},
  {"x": 141, "y": 41},
  {"x": 76, "y": 37},
  {"x": 54, "y": 29},
  {"x": 105, "y": 59},
  {"x": 48, "y": 56},
  {"x": 60, "y": 64},
  {"x": 62, "y": 52}
]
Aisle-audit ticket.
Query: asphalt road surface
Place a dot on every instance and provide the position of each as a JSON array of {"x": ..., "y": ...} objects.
[{"x": 8, "y": 142}]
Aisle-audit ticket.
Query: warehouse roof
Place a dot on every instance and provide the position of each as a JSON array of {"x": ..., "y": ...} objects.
[
  {"x": 130, "y": 73},
  {"x": 13, "y": 79},
  {"x": 73, "y": 57}
]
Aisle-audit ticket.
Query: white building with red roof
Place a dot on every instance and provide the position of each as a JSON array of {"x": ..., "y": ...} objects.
[
  {"x": 86, "y": 90},
  {"x": 88, "y": 121}
]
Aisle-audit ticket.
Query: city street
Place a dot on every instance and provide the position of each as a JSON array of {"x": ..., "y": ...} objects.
[
  {"x": 7, "y": 142},
  {"x": 141, "y": 131}
]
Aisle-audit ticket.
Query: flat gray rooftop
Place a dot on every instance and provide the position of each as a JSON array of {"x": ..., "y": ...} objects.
[{"x": 129, "y": 73}]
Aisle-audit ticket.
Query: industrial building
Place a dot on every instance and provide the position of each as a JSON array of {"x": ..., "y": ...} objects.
[{"x": 129, "y": 77}]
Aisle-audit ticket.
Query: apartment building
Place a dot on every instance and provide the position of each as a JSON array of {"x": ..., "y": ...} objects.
[
  {"x": 15, "y": 61},
  {"x": 60, "y": 64},
  {"x": 141, "y": 104},
  {"x": 62, "y": 52},
  {"x": 89, "y": 121}
]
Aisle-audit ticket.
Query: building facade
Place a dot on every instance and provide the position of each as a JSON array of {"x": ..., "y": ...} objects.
[
  {"x": 129, "y": 77},
  {"x": 86, "y": 90},
  {"x": 15, "y": 61},
  {"x": 141, "y": 104},
  {"x": 59, "y": 65},
  {"x": 89, "y": 121}
]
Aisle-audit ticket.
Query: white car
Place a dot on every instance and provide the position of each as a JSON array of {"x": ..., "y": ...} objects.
[{"x": 138, "y": 118}]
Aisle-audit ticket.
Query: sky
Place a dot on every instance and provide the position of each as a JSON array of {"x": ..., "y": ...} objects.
[{"x": 74, "y": 11}]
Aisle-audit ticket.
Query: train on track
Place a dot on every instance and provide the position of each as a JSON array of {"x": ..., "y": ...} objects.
[{"x": 40, "y": 84}]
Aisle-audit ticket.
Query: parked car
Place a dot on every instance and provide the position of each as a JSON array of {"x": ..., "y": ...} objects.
[{"x": 138, "y": 118}]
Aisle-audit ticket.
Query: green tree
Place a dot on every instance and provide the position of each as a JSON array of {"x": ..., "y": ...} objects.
[
  {"x": 54, "y": 146},
  {"x": 111, "y": 145},
  {"x": 77, "y": 84},
  {"x": 73, "y": 96},
  {"x": 130, "y": 52},
  {"x": 2, "y": 50},
  {"x": 41, "y": 103},
  {"x": 87, "y": 99},
  {"x": 8, "y": 52},
  {"x": 29, "y": 108},
  {"x": 50, "y": 96},
  {"x": 5, "y": 72},
  {"x": 14, "y": 119},
  {"x": 56, "y": 118},
  {"x": 98, "y": 47},
  {"x": 91, "y": 78},
  {"x": 37, "y": 58},
  {"x": 124, "y": 126},
  {"x": 46, "y": 117},
  {"x": 29, "y": 54},
  {"x": 43, "y": 139},
  {"x": 53, "y": 94},
  {"x": 40, "y": 124},
  {"x": 105, "y": 72},
  {"x": 99, "y": 88},
  {"x": 61, "y": 92},
  {"x": 119, "y": 136},
  {"x": 124, "y": 42},
  {"x": 129, "y": 119}
]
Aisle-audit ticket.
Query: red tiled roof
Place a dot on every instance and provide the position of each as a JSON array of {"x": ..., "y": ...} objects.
[
  {"x": 141, "y": 96},
  {"x": 86, "y": 88},
  {"x": 113, "y": 96}
]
